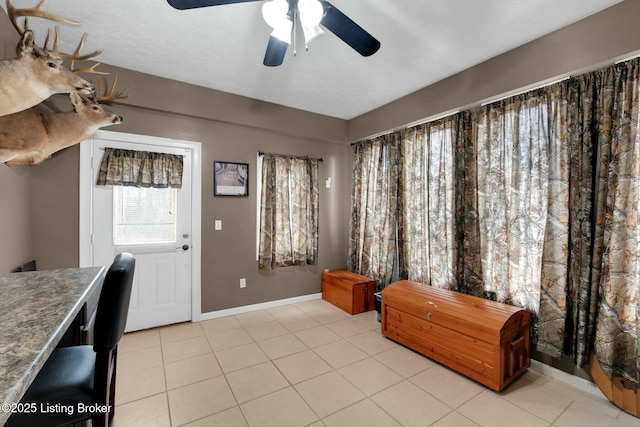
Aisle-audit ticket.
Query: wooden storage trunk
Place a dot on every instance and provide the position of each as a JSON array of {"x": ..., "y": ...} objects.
[
  {"x": 349, "y": 291},
  {"x": 481, "y": 339}
]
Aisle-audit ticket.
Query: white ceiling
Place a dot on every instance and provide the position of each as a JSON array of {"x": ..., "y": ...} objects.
[{"x": 222, "y": 47}]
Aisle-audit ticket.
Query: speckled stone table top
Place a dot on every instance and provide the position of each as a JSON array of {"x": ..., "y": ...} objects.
[{"x": 36, "y": 309}]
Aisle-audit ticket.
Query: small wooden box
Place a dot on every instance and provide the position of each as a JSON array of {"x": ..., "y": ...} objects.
[
  {"x": 484, "y": 340},
  {"x": 351, "y": 292}
]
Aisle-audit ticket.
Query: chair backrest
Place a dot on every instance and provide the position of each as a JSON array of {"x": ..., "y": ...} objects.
[
  {"x": 27, "y": 266},
  {"x": 113, "y": 305}
]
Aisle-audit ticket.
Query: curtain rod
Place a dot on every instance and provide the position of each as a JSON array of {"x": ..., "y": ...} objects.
[
  {"x": 452, "y": 112},
  {"x": 260, "y": 153},
  {"x": 520, "y": 92},
  {"x": 416, "y": 123}
]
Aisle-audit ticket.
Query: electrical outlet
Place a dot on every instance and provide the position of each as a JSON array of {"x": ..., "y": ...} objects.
[{"x": 243, "y": 283}]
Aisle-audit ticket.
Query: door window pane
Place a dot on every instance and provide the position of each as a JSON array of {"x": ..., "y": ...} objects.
[{"x": 143, "y": 216}]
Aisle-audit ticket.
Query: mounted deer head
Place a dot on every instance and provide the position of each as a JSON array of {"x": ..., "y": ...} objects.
[
  {"x": 37, "y": 73},
  {"x": 29, "y": 137}
]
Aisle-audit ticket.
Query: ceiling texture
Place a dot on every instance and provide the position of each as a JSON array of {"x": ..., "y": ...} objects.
[{"x": 222, "y": 47}]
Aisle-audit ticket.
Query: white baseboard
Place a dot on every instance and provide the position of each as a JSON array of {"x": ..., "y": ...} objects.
[
  {"x": 261, "y": 306},
  {"x": 573, "y": 380}
]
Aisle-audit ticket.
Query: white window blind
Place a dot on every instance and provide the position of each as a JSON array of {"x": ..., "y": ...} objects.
[{"x": 144, "y": 216}]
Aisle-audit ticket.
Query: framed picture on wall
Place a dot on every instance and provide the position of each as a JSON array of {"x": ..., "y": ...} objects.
[{"x": 230, "y": 179}]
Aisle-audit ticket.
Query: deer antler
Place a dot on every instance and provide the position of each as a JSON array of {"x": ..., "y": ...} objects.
[
  {"x": 76, "y": 56},
  {"x": 104, "y": 96},
  {"x": 37, "y": 11}
]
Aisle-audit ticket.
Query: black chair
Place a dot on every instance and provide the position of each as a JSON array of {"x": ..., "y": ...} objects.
[
  {"x": 79, "y": 383},
  {"x": 27, "y": 266}
]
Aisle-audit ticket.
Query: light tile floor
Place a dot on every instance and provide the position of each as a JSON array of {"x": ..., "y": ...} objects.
[{"x": 311, "y": 364}]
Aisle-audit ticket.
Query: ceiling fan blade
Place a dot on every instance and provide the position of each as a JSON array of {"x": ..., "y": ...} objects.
[
  {"x": 347, "y": 30},
  {"x": 194, "y": 4},
  {"x": 276, "y": 49}
]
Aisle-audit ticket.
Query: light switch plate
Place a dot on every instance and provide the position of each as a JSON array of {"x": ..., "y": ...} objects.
[{"x": 218, "y": 224}]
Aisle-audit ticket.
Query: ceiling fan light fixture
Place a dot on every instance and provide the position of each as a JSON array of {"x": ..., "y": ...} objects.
[
  {"x": 276, "y": 15},
  {"x": 311, "y": 33},
  {"x": 311, "y": 13},
  {"x": 283, "y": 31}
]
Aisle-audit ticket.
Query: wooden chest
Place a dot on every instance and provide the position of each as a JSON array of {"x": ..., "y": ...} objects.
[
  {"x": 349, "y": 291},
  {"x": 481, "y": 339}
]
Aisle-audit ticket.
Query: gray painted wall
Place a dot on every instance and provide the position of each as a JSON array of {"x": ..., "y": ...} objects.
[{"x": 39, "y": 212}]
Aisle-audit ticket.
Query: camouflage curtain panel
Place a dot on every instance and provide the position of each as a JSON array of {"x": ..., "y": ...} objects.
[
  {"x": 511, "y": 142},
  {"x": 428, "y": 242},
  {"x": 568, "y": 328},
  {"x": 617, "y": 342},
  {"x": 374, "y": 209},
  {"x": 521, "y": 158},
  {"x": 288, "y": 212},
  {"x": 140, "y": 169}
]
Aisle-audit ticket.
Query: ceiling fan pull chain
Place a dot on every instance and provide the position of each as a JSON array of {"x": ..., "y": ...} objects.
[{"x": 294, "y": 30}]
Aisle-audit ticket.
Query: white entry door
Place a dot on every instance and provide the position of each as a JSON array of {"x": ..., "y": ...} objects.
[{"x": 155, "y": 225}]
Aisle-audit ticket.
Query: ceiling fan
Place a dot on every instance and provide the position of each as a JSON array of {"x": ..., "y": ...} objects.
[{"x": 283, "y": 16}]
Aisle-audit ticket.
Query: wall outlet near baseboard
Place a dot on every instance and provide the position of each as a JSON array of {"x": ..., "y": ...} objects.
[{"x": 243, "y": 283}]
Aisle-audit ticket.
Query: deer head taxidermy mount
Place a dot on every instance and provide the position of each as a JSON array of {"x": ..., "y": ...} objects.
[
  {"x": 29, "y": 137},
  {"x": 37, "y": 73}
]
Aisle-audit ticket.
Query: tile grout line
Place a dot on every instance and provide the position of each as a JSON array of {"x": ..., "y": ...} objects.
[{"x": 313, "y": 350}]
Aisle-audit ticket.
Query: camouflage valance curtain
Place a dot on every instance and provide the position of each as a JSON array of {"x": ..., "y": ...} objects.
[
  {"x": 535, "y": 198},
  {"x": 288, "y": 212},
  {"x": 140, "y": 169}
]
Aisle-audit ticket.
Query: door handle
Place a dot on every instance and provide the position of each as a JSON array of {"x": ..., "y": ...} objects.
[{"x": 183, "y": 247}]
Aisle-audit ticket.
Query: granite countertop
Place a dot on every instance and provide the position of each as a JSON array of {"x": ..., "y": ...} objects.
[{"x": 36, "y": 309}]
